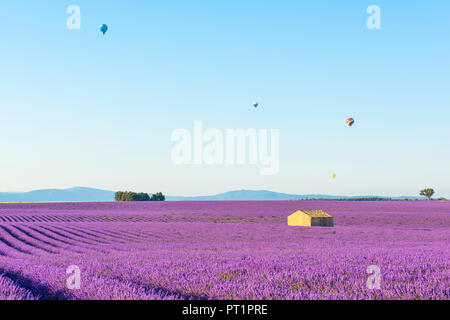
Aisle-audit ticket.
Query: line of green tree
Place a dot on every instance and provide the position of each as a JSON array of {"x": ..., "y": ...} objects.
[
  {"x": 134, "y": 196},
  {"x": 355, "y": 199},
  {"x": 428, "y": 193}
]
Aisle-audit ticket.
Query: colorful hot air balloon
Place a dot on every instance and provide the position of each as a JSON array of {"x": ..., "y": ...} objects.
[
  {"x": 350, "y": 122},
  {"x": 333, "y": 175},
  {"x": 103, "y": 28},
  {"x": 255, "y": 104}
]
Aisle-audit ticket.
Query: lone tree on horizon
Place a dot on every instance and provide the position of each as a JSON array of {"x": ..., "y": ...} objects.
[{"x": 428, "y": 192}]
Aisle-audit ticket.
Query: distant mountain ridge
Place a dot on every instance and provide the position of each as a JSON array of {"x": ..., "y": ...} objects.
[
  {"x": 83, "y": 194},
  {"x": 263, "y": 195},
  {"x": 76, "y": 194}
]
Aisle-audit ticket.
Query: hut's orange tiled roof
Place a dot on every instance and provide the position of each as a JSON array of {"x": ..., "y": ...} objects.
[{"x": 317, "y": 213}]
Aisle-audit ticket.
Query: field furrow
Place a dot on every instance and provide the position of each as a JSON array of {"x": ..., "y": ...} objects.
[{"x": 223, "y": 250}]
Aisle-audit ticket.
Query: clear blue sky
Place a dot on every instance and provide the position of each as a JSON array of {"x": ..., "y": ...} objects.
[{"x": 81, "y": 109}]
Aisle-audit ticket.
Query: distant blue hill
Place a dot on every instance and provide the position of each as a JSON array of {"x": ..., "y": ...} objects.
[
  {"x": 261, "y": 195},
  {"x": 79, "y": 194},
  {"x": 58, "y": 195}
]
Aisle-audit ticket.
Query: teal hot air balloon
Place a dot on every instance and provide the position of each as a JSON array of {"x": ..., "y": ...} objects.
[
  {"x": 103, "y": 28},
  {"x": 255, "y": 104}
]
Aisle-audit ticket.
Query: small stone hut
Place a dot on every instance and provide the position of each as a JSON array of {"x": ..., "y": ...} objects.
[{"x": 311, "y": 218}]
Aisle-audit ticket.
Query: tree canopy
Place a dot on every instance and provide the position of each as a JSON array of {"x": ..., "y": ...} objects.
[
  {"x": 158, "y": 197},
  {"x": 428, "y": 192},
  {"x": 134, "y": 196},
  {"x": 131, "y": 196}
]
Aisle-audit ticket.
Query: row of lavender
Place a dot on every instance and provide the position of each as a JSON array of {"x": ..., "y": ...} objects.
[{"x": 251, "y": 258}]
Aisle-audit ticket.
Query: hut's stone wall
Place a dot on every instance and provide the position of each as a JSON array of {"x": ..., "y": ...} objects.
[
  {"x": 304, "y": 219},
  {"x": 322, "y": 222},
  {"x": 299, "y": 220}
]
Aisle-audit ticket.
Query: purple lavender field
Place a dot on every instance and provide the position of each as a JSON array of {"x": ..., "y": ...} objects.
[{"x": 224, "y": 250}]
